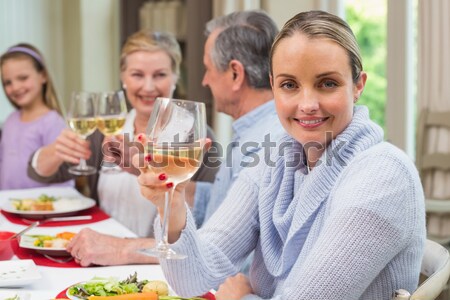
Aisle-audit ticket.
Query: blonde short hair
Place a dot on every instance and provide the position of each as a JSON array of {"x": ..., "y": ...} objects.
[{"x": 151, "y": 41}]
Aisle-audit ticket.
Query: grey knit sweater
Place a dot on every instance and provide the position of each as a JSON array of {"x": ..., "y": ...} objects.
[{"x": 353, "y": 228}]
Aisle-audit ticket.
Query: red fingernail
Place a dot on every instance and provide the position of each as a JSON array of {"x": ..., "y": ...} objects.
[
  {"x": 140, "y": 137},
  {"x": 162, "y": 176},
  {"x": 169, "y": 185},
  {"x": 148, "y": 158}
]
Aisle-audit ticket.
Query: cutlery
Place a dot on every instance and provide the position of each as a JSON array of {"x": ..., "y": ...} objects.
[
  {"x": 58, "y": 260},
  {"x": 59, "y": 219},
  {"x": 34, "y": 224}
]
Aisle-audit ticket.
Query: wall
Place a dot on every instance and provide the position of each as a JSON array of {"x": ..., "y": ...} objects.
[
  {"x": 78, "y": 38},
  {"x": 35, "y": 22},
  {"x": 282, "y": 11},
  {"x": 91, "y": 45},
  {"x": 99, "y": 45}
]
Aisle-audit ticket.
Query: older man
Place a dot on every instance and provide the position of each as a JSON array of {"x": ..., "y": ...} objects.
[{"x": 236, "y": 59}]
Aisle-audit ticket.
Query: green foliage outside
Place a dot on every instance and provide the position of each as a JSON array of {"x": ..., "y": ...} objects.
[{"x": 370, "y": 31}]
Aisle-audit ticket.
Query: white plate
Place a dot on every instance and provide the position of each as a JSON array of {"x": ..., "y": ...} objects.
[
  {"x": 71, "y": 297},
  {"x": 63, "y": 206},
  {"x": 27, "y": 242},
  {"x": 15, "y": 273}
]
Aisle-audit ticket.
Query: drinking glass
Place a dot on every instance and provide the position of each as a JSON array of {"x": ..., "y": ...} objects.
[
  {"x": 81, "y": 119},
  {"x": 176, "y": 135},
  {"x": 111, "y": 114}
]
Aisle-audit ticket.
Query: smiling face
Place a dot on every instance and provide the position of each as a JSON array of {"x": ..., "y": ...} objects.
[
  {"x": 313, "y": 88},
  {"x": 147, "y": 75},
  {"x": 22, "y": 82}
]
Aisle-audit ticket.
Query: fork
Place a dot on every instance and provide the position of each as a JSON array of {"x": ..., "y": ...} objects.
[
  {"x": 20, "y": 233},
  {"x": 58, "y": 219},
  {"x": 58, "y": 260}
]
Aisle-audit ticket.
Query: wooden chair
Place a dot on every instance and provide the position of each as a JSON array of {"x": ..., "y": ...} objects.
[
  {"x": 438, "y": 210},
  {"x": 436, "y": 269}
]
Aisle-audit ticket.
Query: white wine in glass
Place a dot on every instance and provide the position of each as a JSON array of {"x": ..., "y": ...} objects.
[
  {"x": 111, "y": 115},
  {"x": 176, "y": 134},
  {"x": 81, "y": 119}
]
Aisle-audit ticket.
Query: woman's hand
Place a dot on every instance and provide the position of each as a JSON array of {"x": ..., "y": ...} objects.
[
  {"x": 89, "y": 247},
  {"x": 120, "y": 151},
  {"x": 154, "y": 187},
  {"x": 234, "y": 288}
]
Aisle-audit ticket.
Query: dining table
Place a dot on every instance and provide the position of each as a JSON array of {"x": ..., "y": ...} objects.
[{"x": 54, "y": 278}]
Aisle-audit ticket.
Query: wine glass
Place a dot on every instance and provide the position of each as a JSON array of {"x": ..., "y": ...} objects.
[
  {"x": 81, "y": 119},
  {"x": 111, "y": 114},
  {"x": 176, "y": 135}
]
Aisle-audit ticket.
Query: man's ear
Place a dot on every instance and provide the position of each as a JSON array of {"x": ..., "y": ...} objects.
[{"x": 237, "y": 71}]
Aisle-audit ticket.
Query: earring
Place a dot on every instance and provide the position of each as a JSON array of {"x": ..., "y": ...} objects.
[{"x": 124, "y": 86}]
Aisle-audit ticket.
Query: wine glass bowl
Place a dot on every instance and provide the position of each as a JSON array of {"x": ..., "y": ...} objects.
[
  {"x": 111, "y": 112},
  {"x": 110, "y": 117},
  {"x": 81, "y": 117},
  {"x": 176, "y": 137}
]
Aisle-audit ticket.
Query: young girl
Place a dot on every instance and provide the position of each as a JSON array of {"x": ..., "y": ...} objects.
[{"x": 37, "y": 120}]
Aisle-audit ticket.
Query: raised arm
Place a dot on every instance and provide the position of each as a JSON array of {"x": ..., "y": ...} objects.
[{"x": 68, "y": 147}]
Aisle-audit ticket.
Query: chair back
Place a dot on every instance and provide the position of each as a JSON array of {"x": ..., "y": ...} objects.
[
  {"x": 433, "y": 164},
  {"x": 436, "y": 267},
  {"x": 435, "y": 161}
]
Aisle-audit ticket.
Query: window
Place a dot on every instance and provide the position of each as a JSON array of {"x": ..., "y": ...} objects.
[
  {"x": 387, "y": 34},
  {"x": 368, "y": 22}
]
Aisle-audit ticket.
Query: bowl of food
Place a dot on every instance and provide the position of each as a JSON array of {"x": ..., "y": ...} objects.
[{"x": 7, "y": 245}]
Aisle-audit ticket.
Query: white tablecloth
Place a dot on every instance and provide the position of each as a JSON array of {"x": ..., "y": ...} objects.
[{"x": 54, "y": 280}]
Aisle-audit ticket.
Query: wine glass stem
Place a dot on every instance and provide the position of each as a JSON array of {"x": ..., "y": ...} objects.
[
  {"x": 82, "y": 165},
  {"x": 165, "y": 225}
]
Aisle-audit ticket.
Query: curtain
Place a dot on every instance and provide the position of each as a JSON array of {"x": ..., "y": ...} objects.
[{"x": 434, "y": 95}]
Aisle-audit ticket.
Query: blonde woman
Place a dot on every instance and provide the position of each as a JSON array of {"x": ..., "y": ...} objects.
[
  {"x": 335, "y": 213},
  {"x": 150, "y": 67}
]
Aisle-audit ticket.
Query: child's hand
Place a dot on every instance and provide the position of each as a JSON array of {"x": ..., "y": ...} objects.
[{"x": 70, "y": 147}]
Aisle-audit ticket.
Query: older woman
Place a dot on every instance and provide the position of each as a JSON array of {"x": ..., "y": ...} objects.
[
  {"x": 336, "y": 213},
  {"x": 150, "y": 67}
]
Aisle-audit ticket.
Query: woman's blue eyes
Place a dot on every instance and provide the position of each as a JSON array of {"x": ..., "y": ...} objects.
[
  {"x": 329, "y": 84},
  {"x": 288, "y": 85},
  {"x": 324, "y": 84}
]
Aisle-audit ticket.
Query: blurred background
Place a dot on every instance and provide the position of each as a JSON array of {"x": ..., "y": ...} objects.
[{"x": 81, "y": 41}]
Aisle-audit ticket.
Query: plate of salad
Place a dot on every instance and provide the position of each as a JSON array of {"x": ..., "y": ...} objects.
[{"x": 99, "y": 288}]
